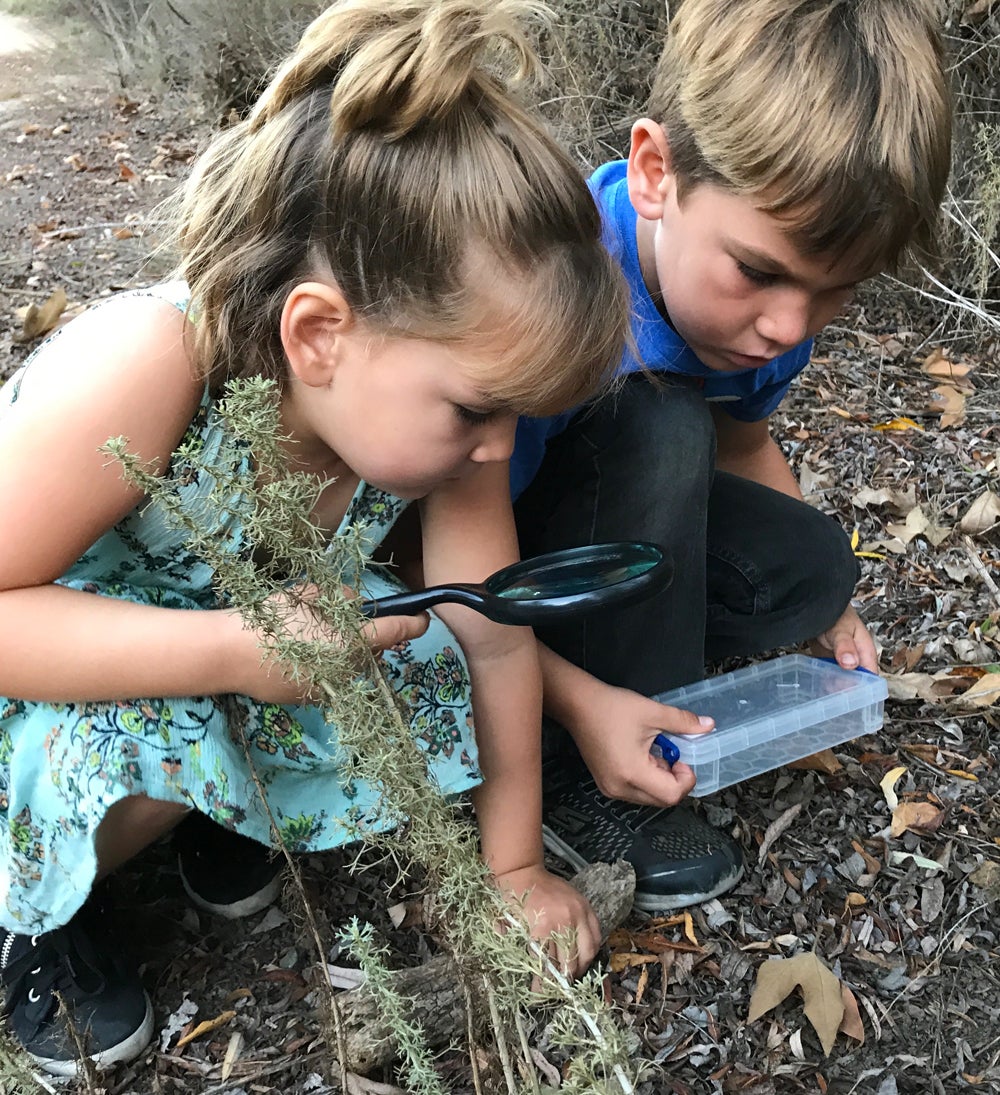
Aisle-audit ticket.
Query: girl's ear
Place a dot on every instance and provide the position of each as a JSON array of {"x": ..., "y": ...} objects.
[
  {"x": 314, "y": 321},
  {"x": 650, "y": 173}
]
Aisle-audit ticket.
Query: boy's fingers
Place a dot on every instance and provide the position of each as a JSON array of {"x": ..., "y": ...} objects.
[
  {"x": 663, "y": 785},
  {"x": 677, "y": 721}
]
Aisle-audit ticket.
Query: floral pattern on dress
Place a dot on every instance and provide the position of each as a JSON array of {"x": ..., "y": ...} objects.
[{"x": 62, "y": 766}]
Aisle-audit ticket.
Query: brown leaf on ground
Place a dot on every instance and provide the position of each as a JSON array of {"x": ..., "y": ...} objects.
[
  {"x": 39, "y": 319},
  {"x": 937, "y": 364},
  {"x": 851, "y": 1024},
  {"x": 206, "y": 1027},
  {"x": 823, "y": 761},
  {"x": 950, "y": 402},
  {"x": 982, "y": 693},
  {"x": 982, "y": 515},
  {"x": 987, "y": 875},
  {"x": 821, "y": 992},
  {"x": 918, "y": 817}
]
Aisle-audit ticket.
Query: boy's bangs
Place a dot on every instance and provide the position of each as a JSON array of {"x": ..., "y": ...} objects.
[{"x": 842, "y": 218}]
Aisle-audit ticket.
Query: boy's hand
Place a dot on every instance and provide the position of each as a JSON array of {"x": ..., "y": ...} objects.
[
  {"x": 848, "y": 642},
  {"x": 614, "y": 737},
  {"x": 549, "y": 904}
]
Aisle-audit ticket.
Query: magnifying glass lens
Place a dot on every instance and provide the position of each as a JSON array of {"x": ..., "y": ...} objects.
[{"x": 580, "y": 575}]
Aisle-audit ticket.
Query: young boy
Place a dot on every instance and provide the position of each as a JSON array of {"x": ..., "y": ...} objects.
[{"x": 793, "y": 148}]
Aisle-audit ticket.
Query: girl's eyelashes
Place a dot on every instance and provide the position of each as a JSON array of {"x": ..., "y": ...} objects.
[
  {"x": 472, "y": 417},
  {"x": 758, "y": 277}
]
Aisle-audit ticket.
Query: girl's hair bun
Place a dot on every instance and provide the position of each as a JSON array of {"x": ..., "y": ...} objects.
[{"x": 394, "y": 65}]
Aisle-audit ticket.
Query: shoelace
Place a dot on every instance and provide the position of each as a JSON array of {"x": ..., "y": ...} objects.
[{"x": 54, "y": 964}]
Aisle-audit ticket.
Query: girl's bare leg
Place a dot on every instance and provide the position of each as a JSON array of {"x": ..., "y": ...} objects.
[{"x": 129, "y": 826}]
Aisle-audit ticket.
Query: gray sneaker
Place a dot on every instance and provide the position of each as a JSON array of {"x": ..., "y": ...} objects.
[{"x": 679, "y": 859}]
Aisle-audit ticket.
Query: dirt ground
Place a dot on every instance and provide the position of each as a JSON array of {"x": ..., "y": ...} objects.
[{"x": 899, "y": 902}]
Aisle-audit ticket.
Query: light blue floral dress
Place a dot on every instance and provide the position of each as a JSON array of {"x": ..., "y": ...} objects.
[{"x": 63, "y": 765}]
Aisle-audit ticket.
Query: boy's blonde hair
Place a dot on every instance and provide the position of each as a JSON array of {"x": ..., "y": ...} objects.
[
  {"x": 388, "y": 153},
  {"x": 832, "y": 114}
]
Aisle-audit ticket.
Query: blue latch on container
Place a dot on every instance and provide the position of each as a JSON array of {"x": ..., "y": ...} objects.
[{"x": 665, "y": 749}]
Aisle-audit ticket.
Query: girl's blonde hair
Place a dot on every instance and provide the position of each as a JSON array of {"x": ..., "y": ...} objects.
[
  {"x": 388, "y": 153},
  {"x": 834, "y": 114}
]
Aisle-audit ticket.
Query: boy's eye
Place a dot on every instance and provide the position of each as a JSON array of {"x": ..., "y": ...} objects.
[
  {"x": 758, "y": 277},
  {"x": 472, "y": 417}
]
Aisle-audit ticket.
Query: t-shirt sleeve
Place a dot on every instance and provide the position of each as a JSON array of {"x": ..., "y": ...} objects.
[{"x": 529, "y": 448}]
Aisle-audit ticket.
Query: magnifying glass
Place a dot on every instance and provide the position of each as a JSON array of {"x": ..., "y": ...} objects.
[{"x": 548, "y": 588}]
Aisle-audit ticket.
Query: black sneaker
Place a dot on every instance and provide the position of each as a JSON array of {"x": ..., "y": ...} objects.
[
  {"x": 679, "y": 859},
  {"x": 82, "y": 963},
  {"x": 225, "y": 872}
]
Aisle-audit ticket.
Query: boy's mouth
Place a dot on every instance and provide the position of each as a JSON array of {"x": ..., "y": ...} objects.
[{"x": 747, "y": 361}]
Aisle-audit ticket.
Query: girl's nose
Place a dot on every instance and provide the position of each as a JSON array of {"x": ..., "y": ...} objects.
[{"x": 496, "y": 440}]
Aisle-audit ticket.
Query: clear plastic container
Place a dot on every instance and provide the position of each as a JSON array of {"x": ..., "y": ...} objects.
[{"x": 769, "y": 714}]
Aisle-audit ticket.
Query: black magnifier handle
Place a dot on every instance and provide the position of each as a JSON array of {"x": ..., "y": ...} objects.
[{"x": 411, "y": 604}]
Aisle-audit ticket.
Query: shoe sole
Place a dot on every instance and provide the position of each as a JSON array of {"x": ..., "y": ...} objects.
[
  {"x": 126, "y": 1050},
  {"x": 648, "y": 902},
  {"x": 236, "y": 910}
]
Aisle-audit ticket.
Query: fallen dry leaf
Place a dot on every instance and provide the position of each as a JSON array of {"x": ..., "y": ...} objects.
[
  {"x": 900, "y": 501},
  {"x": 888, "y": 784},
  {"x": 950, "y": 402},
  {"x": 977, "y": 11},
  {"x": 39, "y": 319},
  {"x": 622, "y": 960},
  {"x": 898, "y": 424},
  {"x": 919, "y": 524},
  {"x": 982, "y": 515},
  {"x": 851, "y": 1024},
  {"x": 986, "y": 875},
  {"x": 823, "y": 761},
  {"x": 919, "y": 817},
  {"x": 206, "y": 1027},
  {"x": 821, "y": 993},
  {"x": 981, "y": 693},
  {"x": 936, "y": 364}
]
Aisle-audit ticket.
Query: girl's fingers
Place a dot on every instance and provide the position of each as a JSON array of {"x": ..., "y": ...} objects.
[{"x": 387, "y": 631}]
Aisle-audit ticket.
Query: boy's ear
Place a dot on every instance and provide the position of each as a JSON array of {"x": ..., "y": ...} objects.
[
  {"x": 650, "y": 173},
  {"x": 314, "y": 321}
]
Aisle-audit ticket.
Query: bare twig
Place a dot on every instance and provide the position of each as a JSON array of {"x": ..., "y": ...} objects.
[{"x": 980, "y": 568}]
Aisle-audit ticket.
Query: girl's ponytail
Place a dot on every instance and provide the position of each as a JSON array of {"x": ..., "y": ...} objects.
[{"x": 390, "y": 154}]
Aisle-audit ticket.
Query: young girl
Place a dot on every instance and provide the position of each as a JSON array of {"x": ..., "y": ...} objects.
[{"x": 396, "y": 242}]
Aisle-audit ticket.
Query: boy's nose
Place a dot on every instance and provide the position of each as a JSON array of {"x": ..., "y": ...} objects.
[
  {"x": 496, "y": 442},
  {"x": 787, "y": 321}
]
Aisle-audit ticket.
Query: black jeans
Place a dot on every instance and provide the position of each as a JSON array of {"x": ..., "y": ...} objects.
[{"x": 755, "y": 569}]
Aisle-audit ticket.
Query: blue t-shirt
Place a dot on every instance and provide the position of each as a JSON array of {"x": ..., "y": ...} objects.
[{"x": 749, "y": 396}]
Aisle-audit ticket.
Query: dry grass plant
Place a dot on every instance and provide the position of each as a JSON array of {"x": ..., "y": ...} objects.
[
  {"x": 215, "y": 51},
  {"x": 413, "y": 820},
  {"x": 967, "y": 286}
]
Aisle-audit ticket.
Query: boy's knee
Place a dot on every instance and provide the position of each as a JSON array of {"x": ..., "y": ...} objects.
[{"x": 666, "y": 431}]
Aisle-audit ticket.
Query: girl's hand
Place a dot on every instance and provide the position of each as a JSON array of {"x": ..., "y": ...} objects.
[
  {"x": 267, "y": 678},
  {"x": 848, "y": 642},
  {"x": 551, "y": 905},
  {"x": 614, "y": 735}
]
